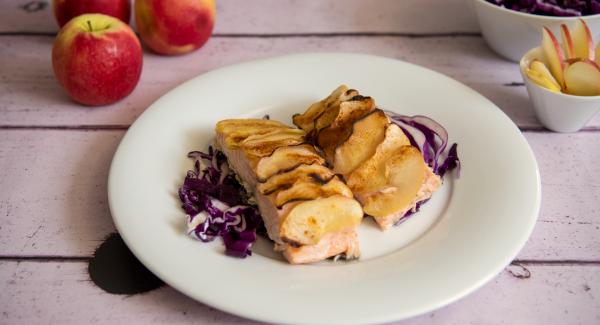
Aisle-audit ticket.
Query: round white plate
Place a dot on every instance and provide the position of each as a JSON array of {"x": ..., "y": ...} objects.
[{"x": 463, "y": 237}]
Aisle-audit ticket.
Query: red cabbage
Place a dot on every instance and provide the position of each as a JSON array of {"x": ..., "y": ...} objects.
[
  {"x": 552, "y": 7},
  {"x": 216, "y": 204},
  {"x": 432, "y": 150}
]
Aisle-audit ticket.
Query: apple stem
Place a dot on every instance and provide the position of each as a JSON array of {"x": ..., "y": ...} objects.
[{"x": 90, "y": 26}]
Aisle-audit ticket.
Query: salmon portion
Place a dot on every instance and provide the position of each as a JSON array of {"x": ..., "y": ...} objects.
[
  {"x": 313, "y": 225},
  {"x": 387, "y": 175}
]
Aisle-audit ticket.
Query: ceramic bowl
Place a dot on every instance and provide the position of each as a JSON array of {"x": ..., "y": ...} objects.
[
  {"x": 557, "y": 111},
  {"x": 511, "y": 33}
]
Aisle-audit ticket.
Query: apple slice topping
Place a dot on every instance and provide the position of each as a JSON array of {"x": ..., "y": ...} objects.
[
  {"x": 286, "y": 158},
  {"x": 312, "y": 189},
  {"x": 367, "y": 134},
  {"x": 582, "y": 78},
  {"x": 553, "y": 56},
  {"x": 598, "y": 54},
  {"x": 405, "y": 171},
  {"x": 261, "y": 145},
  {"x": 306, "y": 121},
  {"x": 285, "y": 180},
  {"x": 582, "y": 41},
  {"x": 341, "y": 127},
  {"x": 308, "y": 221},
  {"x": 371, "y": 174}
]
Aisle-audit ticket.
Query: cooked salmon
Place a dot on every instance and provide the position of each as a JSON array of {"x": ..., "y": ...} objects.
[{"x": 308, "y": 212}]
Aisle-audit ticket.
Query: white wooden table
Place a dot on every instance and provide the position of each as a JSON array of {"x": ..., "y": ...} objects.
[{"x": 55, "y": 155}]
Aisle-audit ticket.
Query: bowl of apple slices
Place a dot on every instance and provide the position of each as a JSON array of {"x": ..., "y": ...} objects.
[{"x": 563, "y": 77}]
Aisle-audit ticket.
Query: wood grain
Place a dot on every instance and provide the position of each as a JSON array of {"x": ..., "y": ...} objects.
[
  {"x": 61, "y": 293},
  {"x": 31, "y": 96},
  {"x": 289, "y": 16},
  {"x": 56, "y": 204}
]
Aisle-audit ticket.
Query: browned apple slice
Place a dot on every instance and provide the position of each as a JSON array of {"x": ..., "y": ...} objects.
[
  {"x": 286, "y": 158},
  {"x": 341, "y": 127},
  {"x": 236, "y": 131},
  {"x": 261, "y": 145},
  {"x": 227, "y": 126},
  {"x": 367, "y": 134},
  {"x": 311, "y": 189},
  {"x": 308, "y": 221},
  {"x": 406, "y": 173},
  {"x": 306, "y": 121},
  {"x": 284, "y": 180},
  {"x": 582, "y": 78},
  {"x": 371, "y": 174}
]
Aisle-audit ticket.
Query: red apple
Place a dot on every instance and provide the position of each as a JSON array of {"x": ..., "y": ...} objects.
[
  {"x": 65, "y": 10},
  {"x": 97, "y": 59},
  {"x": 172, "y": 27}
]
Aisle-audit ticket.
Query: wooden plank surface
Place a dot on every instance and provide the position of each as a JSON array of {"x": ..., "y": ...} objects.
[
  {"x": 56, "y": 205},
  {"x": 31, "y": 96},
  {"x": 289, "y": 16},
  {"x": 61, "y": 293}
]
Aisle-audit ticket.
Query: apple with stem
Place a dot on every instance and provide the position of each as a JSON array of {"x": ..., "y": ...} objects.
[
  {"x": 97, "y": 59},
  {"x": 174, "y": 27},
  {"x": 65, "y": 10}
]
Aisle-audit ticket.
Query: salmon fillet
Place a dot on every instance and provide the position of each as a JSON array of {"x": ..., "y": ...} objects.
[{"x": 311, "y": 225}]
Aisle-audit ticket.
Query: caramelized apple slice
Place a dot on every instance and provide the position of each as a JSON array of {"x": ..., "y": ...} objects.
[
  {"x": 341, "y": 127},
  {"x": 306, "y": 121},
  {"x": 286, "y": 158},
  {"x": 228, "y": 126},
  {"x": 582, "y": 78},
  {"x": 261, "y": 145},
  {"x": 406, "y": 173},
  {"x": 308, "y": 221},
  {"x": 371, "y": 174},
  {"x": 553, "y": 56},
  {"x": 312, "y": 189},
  {"x": 598, "y": 54},
  {"x": 284, "y": 180},
  {"x": 236, "y": 131},
  {"x": 367, "y": 133},
  {"x": 582, "y": 41}
]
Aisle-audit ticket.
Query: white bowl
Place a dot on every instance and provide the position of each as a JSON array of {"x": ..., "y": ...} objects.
[
  {"x": 557, "y": 111},
  {"x": 511, "y": 33}
]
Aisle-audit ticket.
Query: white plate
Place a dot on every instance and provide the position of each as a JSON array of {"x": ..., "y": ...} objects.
[{"x": 462, "y": 238}]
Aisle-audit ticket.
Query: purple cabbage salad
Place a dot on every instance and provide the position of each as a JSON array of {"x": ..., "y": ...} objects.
[
  {"x": 217, "y": 206},
  {"x": 431, "y": 138},
  {"x": 559, "y": 8}
]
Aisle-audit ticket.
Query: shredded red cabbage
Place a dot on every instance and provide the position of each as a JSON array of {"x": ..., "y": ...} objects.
[
  {"x": 427, "y": 129},
  {"x": 552, "y": 7},
  {"x": 215, "y": 203},
  {"x": 431, "y": 149}
]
